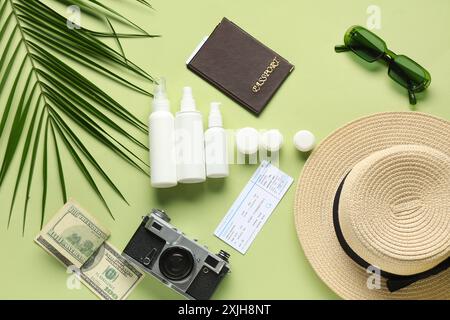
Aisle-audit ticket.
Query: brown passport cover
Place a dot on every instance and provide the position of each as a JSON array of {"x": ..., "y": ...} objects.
[{"x": 240, "y": 66}]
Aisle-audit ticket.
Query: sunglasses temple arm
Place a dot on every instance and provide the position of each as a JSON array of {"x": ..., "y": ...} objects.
[
  {"x": 341, "y": 48},
  {"x": 412, "y": 98}
]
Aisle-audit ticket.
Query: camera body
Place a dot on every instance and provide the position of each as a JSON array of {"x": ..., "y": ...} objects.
[{"x": 182, "y": 264}]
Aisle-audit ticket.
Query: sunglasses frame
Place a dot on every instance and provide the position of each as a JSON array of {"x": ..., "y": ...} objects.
[{"x": 390, "y": 58}]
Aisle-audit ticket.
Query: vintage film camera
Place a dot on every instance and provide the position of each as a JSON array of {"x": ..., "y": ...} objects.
[{"x": 182, "y": 264}]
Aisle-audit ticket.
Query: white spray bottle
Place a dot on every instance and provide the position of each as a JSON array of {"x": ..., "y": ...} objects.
[
  {"x": 162, "y": 140},
  {"x": 190, "y": 141}
]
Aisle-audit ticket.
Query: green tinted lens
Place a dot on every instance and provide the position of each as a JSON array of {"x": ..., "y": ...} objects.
[
  {"x": 409, "y": 74},
  {"x": 365, "y": 44}
]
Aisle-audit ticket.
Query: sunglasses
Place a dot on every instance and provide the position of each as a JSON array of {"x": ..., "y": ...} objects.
[{"x": 406, "y": 72}]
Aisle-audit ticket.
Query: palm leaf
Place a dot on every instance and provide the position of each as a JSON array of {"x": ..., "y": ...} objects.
[
  {"x": 60, "y": 168},
  {"x": 44, "y": 174},
  {"x": 23, "y": 160},
  {"x": 50, "y": 103},
  {"x": 81, "y": 165},
  {"x": 32, "y": 165},
  {"x": 82, "y": 84},
  {"x": 16, "y": 129},
  {"x": 99, "y": 11},
  {"x": 116, "y": 37}
]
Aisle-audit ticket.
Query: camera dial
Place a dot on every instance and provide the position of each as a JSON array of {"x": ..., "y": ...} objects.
[
  {"x": 224, "y": 255},
  {"x": 162, "y": 214},
  {"x": 176, "y": 263}
]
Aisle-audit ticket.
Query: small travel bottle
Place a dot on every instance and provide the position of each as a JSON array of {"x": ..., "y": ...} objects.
[
  {"x": 162, "y": 141},
  {"x": 190, "y": 141},
  {"x": 216, "y": 145}
]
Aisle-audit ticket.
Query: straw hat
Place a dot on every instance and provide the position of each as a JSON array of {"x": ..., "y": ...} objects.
[{"x": 372, "y": 208}]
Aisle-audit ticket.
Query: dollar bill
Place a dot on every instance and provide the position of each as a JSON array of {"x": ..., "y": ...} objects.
[
  {"x": 107, "y": 273},
  {"x": 78, "y": 241},
  {"x": 74, "y": 233}
]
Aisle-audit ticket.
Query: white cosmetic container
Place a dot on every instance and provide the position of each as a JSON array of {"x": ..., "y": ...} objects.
[
  {"x": 271, "y": 140},
  {"x": 190, "y": 141},
  {"x": 304, "y": 141},
  {"x": 247, "y": 141},
  {"x": 162, "y": 141},
  {"x": 216, "y": 145}
]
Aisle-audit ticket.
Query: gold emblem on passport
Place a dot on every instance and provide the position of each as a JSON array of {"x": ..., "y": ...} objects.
[{"x": 265, "y": 75}]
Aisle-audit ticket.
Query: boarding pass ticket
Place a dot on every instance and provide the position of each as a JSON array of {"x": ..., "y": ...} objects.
[{"x": 253, "y": 207}]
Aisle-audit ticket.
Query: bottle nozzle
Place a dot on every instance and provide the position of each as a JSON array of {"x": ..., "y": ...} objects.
[
  {"x": 187, "y": 92},
  {"x": 160, "y": 101},
  {"x": 187, "y": 102},
  {"x": 215, "y": 117},
  {"x": 215, "y": 107},
  {"x": 160, "y": 89}
]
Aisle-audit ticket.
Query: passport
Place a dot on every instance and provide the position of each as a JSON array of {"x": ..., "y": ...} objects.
[{"x": 240, "y": 66}]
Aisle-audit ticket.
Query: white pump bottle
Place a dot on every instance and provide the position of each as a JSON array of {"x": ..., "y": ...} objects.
[{"x": 162, "y": 140}]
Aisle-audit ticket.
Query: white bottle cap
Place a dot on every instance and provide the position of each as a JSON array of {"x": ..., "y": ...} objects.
[
  {"x": 247, "y": 140},
  {"x": 215, "y": 117},
  {"x": 187, "y": 102},
  {"x": 304, "y": 141},
  {"x": 271, "y": 140},
  {"x": 160, "y": 101}
]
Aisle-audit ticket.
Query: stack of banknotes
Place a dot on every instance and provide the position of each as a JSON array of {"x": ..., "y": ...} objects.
[{"x": 77, "y": 240}]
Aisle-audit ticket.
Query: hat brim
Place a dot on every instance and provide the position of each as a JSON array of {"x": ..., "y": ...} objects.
[{"x": 316, "y": 189}]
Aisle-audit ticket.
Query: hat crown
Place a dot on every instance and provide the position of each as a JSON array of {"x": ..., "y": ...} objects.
[{"x": 395, "y": 209}]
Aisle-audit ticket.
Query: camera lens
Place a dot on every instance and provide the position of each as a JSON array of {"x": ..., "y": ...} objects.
[{"x": 176, "y": 263}]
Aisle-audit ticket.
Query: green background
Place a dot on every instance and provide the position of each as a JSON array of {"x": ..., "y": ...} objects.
[{"x": 325, "y": 91}]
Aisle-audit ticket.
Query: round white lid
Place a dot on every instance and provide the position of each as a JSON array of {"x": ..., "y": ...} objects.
[
  {"x": 271, "y": 140},
  {"x": 304, "y": 141},
  {"x": 247, "y": 140}
]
